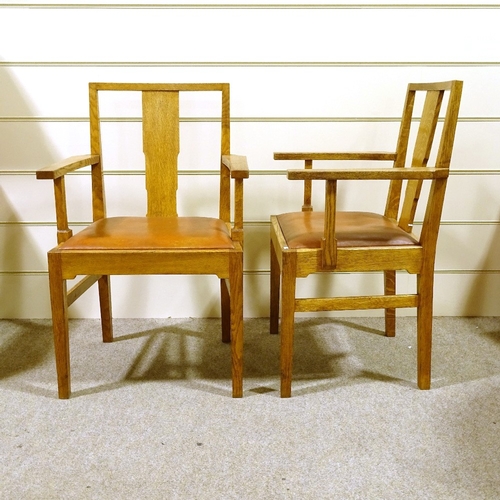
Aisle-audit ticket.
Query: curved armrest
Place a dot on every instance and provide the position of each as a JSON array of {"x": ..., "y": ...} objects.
[
  {"x": 373, "y": 155},
  {"x": 237, "y": 165},
  {"x": 416, "y": 173},
  {"x": 61, "y": 168}
]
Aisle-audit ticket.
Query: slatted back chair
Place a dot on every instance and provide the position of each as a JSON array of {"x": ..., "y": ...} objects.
[
  {"x": 307, "y": 242},
  {"x": 161, "y": 242}
]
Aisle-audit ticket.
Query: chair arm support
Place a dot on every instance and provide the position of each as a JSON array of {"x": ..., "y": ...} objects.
[
  {"x": 56, "y": 173},
  {"x": 373, "y": 155},
  {"x": 416, "y": 173},
  {"x": 237, "y": 169},
  {"x": 237, "y": 165},
  {"x": 63, "y": 167}
]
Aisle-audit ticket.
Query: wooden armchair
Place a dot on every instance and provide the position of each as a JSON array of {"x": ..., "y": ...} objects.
[
  {"x": 309, "y": 242},
  {"x": 162, "y": 242}
]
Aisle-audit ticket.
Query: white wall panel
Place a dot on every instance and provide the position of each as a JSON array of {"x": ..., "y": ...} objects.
[
  {"x": 258, "y": 89},
  {"x": 30, "y": 145},
  {"x": 303, "y": 78},
  {"x": 31, "y": 244},
  {"x": 472, "y": 198},
  {"x": 24, "y": 295},
  {"x": 23, "y": 198},
  {"x": 276, "y": 35}
]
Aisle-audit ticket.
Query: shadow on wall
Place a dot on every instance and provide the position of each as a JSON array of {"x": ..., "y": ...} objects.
[
  {"x": 484, "y": 294},
  {"x": 23, "y": 145},
  {"x": 23, "y": 148}
]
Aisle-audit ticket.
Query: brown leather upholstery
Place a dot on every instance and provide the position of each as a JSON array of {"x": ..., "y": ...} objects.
[
  {"x": 352, "y": 229},
  {"x": 136, "y": 233}
]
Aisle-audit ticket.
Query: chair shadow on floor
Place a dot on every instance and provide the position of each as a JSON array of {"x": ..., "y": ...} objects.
[
  {"x": 185, "y": 352},
  {"x": 26, "y": 353},
  {"x": 189, "y": 352},
  {"x": 331, "y": 353},
  {"x": 24, "y": 345}
]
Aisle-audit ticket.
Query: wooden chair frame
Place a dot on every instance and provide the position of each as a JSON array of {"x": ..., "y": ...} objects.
[
  {"x": 288, "y": 264},
  {"x": 65, "y": 262}
]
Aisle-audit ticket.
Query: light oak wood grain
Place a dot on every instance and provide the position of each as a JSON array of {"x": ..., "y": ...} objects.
[
  {"x": 347, "y": 242},
  {"x": 162, "y": 242}
]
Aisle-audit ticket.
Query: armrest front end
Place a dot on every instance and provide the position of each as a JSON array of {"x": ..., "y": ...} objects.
[
  {"x": 237, "y": 165},
  {"x": 63, "y": 167}
]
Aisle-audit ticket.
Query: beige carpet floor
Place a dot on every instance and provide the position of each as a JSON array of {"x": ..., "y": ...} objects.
[{"x": 151, "y": 415}]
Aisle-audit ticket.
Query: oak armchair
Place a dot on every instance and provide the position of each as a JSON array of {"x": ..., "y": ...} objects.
[
  {"x": 307, "y": 242},
  {"x": 161, "y": 242}
]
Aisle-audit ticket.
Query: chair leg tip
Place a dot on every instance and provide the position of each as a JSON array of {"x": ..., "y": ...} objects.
[{"x": 286, "y": 392}]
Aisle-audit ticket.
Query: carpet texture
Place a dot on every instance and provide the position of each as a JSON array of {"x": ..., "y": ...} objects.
[{"x": 151, "y": 414}]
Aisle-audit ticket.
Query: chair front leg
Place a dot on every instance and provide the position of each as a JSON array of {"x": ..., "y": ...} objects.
[
  {"x": 288, "y": 284},
  {"x": 59, "y": 305},
  {"x": 236, "y": 304}
]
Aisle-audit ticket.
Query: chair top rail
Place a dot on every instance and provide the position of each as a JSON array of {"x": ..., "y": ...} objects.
[
  {"x": 433, "y": 86},
  {"x": 159, "y": 86}
]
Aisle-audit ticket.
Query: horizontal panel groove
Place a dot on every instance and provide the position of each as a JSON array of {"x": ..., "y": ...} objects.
[
  {"x": 24, "y": 273},
  {"x": 249, "y": 223},
  {"x": 468, "y": 172},
  {"x": 260, "y": 223},
  {"x": 265, "y": 272},
  {"x": 250, "y": 64},
  {"x": 242, "y": 119},
  {"x": 467, "y": 271},
  {"x": 46, "y": 273},
  {"x": 113, "y": 172},
  {"x": 258, "y": 6}
]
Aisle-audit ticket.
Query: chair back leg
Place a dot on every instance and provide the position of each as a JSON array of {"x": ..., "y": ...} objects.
[
  {"x": 390, "y": 314},
  {"x": 425, "y": 283},
  {"x": 105, "y": 305}
]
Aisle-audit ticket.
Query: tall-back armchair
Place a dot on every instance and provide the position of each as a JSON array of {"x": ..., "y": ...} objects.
[
  {"x": 159, "y": 242},
  {"x": 327, "y": 241}
]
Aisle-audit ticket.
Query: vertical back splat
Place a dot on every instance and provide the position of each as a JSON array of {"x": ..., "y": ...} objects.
[{"x": 160, "y": 122}]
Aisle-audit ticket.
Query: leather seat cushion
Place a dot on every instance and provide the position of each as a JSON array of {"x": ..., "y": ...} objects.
[
  {"x": 142, "y": 233},
  {"x": 352, "y": 229}
]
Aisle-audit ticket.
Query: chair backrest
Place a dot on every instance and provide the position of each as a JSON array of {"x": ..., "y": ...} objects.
[
  {"x": 160, "y": 137},
  {"x": 431, "y": 112}
]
